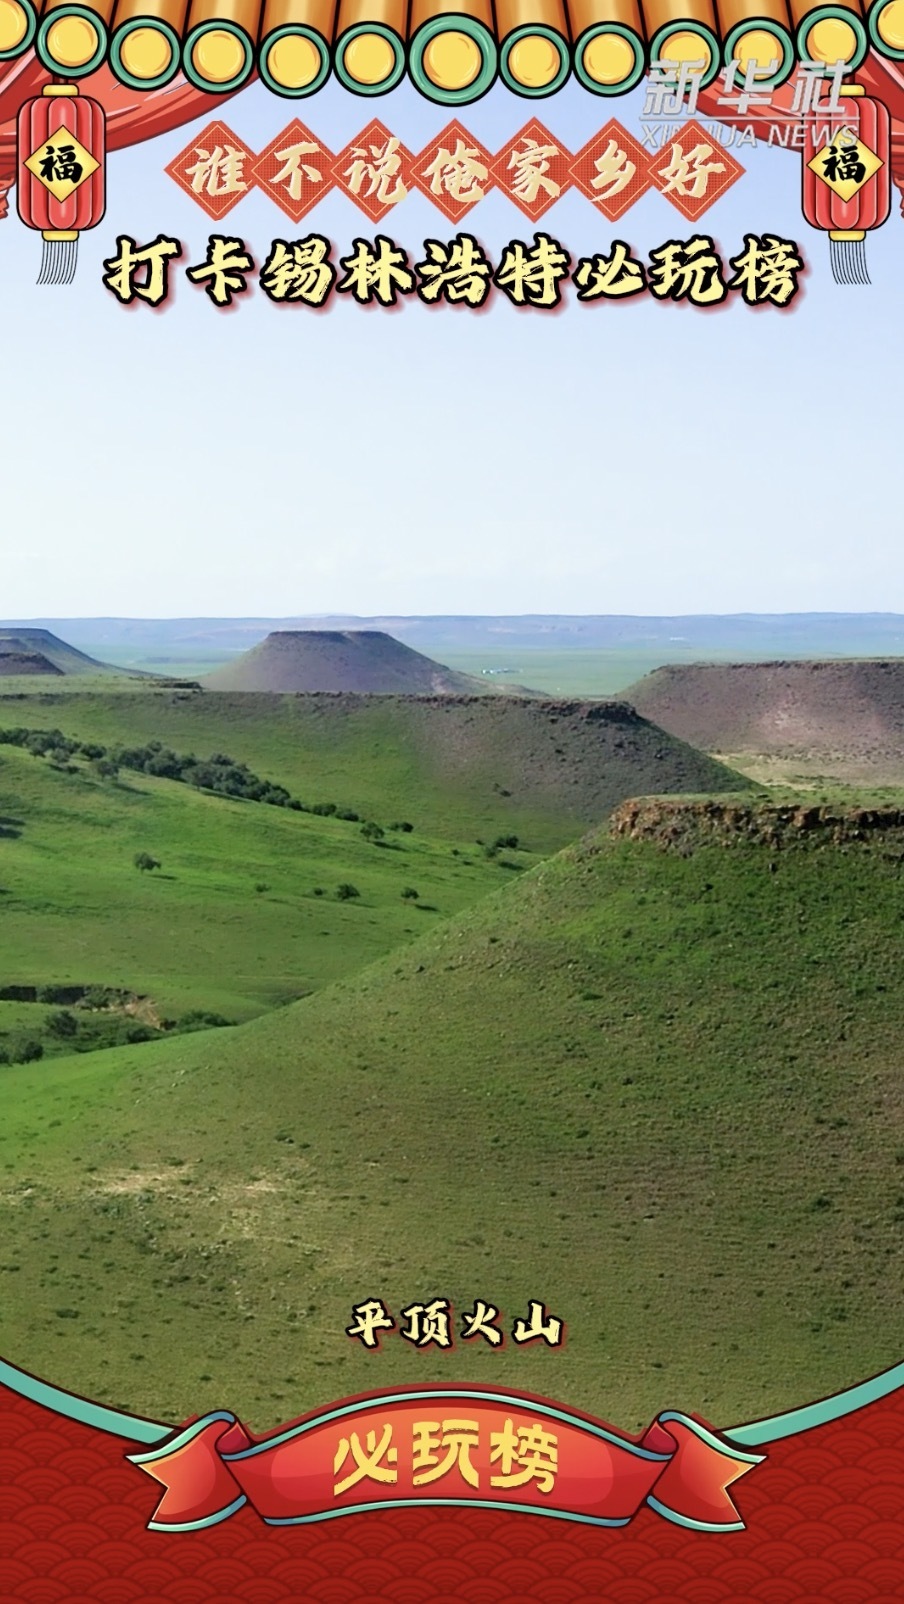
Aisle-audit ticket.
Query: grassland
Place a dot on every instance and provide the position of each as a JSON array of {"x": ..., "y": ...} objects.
[
  {"x": 243, "y": 914},
  {"x": 565, "y": 672},
  {"x": 586, "y": 672},
  {"x": 566, "y": 655},
  {"x": 658, "y": 1090},
  {"x": 456, "y": 768},
  {"x": 571, "y": 671}
]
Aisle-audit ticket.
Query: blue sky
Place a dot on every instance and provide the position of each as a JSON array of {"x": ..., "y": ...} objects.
[{"x": 637, "y": 457}]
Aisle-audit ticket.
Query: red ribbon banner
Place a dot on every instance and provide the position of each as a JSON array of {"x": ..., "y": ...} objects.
[{"x": 448, "y": 1446}]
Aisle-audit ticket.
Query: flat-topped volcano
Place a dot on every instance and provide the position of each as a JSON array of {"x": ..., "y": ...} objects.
[
  {"x": 363, "y": 660},
  {"x": 38, "y": 651},
  {"x": 845, "y": 716}
]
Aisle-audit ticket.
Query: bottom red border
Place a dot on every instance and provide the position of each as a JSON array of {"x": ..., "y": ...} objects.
[{"x": 823, "y": 1513}]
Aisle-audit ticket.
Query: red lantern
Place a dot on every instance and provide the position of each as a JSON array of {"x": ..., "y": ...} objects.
[
  {"x": 60, "y": 165},
  {"x": 847, "y": 179}
]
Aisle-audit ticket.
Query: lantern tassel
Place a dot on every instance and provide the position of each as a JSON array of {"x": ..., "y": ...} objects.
[
  {"x": 848, "y": 258},
  {"x": 58, "y": 261}
]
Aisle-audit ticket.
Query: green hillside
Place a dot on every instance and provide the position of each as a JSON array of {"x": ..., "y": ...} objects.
[
  {"x": 656, "y": 1086},
  {"x": 456, "y": 767},
  {"x": 244, "y": 912}
]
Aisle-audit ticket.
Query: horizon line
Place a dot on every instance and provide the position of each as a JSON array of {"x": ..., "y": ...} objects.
[{"x": 265, "y": 618}]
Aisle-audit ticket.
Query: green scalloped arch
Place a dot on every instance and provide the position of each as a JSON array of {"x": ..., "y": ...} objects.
[{"x": 754, "y": 1435}]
